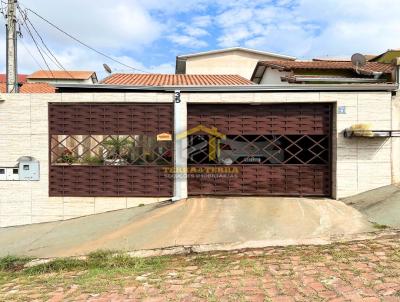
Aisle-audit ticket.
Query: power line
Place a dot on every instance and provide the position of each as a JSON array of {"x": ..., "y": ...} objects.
[
  {"x": 52, "y": 57},
  {"x": 32, "y": 56},
  {"x": 37, "y": 46},
  {"x": 83, "y": 43}
]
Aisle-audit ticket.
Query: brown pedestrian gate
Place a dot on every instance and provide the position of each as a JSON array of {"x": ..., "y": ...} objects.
[
  {"x": 279, "y": 149},
  {"x": 110, "y": 149}
]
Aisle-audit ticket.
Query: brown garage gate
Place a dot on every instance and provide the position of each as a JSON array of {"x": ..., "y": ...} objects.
[{"x": 274, "y": 149}]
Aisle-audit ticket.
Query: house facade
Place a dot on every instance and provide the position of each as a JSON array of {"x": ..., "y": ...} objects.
[
  {"x": 236, "y": 60},
  {"x": 86, "y": 148},
  {"x": 74, "y": 137}
]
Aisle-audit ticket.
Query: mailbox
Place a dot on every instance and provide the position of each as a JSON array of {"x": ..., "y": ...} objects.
[{"x": 28, "y": 168}]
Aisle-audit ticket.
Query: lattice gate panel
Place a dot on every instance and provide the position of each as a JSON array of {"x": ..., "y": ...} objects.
[
  {"x": 110, "y": 150},
  {"x": 291, "y": 143}
]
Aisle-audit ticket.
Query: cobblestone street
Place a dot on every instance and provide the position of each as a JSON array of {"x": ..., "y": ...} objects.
[{"x": 366, "y": 271}]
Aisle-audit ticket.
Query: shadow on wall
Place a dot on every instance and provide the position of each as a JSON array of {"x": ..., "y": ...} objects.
[{"x": 369, "y": 148}]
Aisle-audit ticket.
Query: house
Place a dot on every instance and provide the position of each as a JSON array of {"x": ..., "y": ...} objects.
[
  {"x": 387, "y": 56},
  {"x": 236, "y": 60},
  {"x": 321, "y": 71},
  {"x": 142, "y": 138},
  {"x": 25, "y": 87},
  {"x": 3, "y": 81},
  {"x": 65, "y": 76}
]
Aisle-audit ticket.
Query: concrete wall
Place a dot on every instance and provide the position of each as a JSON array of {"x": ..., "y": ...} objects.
[
  {"x": 359, "y": 164},
  {"x": 396, "y": 140},
  {"x": 24, "y": 131},
  {"x": 232, "y": 62},
  {"x": 273, "y": 77}
]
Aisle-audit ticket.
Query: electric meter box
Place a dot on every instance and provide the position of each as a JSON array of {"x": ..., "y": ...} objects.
[
  {"x": 9, "y": 173},
  {"x": 28, "y": 168}
]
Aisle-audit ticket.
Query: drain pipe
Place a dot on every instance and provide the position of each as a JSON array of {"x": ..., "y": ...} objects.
[{"x": 180, "y": 147}]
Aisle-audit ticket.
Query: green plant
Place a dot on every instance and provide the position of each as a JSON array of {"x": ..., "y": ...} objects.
[
  {"x": 67, "y": 157},
  {"x": 117, "y": 146},
  {"x": 13, "y": 263},
  {"x": 379, "y": 226},
  {"x": 94, "y": 160}
]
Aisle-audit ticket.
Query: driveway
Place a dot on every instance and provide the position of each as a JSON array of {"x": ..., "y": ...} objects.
[{"x": 193, "y": 221}]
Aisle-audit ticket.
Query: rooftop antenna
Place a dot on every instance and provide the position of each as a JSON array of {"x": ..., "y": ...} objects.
[
  {"x": 358, "y": 61},
  {"x": 107, "y": 68}
]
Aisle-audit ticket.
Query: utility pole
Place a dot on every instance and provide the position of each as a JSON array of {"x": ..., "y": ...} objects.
[{"x": 11, "y": 45}]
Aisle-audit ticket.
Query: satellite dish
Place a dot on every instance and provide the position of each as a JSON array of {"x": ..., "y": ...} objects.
[
  {"x": 358, "y": 60},
  {"x": 107, "y": 68}
]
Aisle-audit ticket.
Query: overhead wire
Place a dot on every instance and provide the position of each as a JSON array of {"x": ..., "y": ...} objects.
[
  {"x": 83, "y": 43},
  {"x": 37, "y": 46},
  {"x": 32, "y": 56},
  {"x": 51, "y": 56}
]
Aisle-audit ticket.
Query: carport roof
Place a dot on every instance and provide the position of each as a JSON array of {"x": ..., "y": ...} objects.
[{"x": 132, "y": 79}]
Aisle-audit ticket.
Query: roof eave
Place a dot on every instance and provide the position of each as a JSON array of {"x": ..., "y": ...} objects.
[
  {"x": 238, "y": 88},
  {"x": 204, "y": 53}
]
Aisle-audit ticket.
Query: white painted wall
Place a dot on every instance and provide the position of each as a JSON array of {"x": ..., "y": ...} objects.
[
  {"x": 273, "y": 77},
  {"x": 60, "y": 81},
  {"x": 231, "y": 62},
  {"x": 359, "y": 164}
]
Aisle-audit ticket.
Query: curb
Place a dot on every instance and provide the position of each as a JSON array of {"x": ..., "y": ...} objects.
[{"x": 238, "y": 246}]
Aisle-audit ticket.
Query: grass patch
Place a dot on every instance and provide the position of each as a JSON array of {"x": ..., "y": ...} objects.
[
  {"x": 13, "y": 263},
  {"x": 100, "y": 260},
  {"x": 379, "y": 226}
]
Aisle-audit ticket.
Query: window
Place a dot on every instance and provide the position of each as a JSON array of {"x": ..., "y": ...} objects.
[
  {"x": 2, "y": 171},
  {"x": 110, "y": 150},
  {"x": 259, "y": 149},
  {"x": 15, "y": 171},
  {"x": 26, "y": 167}
]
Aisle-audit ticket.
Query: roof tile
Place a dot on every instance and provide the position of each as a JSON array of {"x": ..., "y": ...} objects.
[
  {"x": 64, "y": 75},
  {"x": 175, "y": 80},
  {"x": 31, "y": 88},
  {"x": 345, "y": 65}
]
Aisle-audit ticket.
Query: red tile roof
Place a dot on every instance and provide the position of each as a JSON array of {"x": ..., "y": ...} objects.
[
  {"x": 21, "y": 78},
  {"x": 343, "y": 65},
  {"x": 37, "y": 88},
  {"x": 31, "y": 88},
  {"x": 62, "y": 75},
  {"x": 175, "y": 80}
]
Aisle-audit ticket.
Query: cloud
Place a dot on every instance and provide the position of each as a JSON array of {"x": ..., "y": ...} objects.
[
  {"x": 188, "y": 41},
  {"x": 148, "y": 34},
  {"x": 308, "y": 28}
]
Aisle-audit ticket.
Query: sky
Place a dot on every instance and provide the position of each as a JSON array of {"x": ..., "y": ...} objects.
[{"x": 149, "y": 34}]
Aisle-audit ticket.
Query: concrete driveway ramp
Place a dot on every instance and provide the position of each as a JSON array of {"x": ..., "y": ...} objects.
[
  {"x": 193, "y": 221},
  {"x": 381, "y": 205}
]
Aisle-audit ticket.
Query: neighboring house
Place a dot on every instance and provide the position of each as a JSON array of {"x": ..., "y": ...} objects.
[
  {"x": 3, "y": 81},
  {"x": 67, "y": 77},
  {"x": 387, "y": 56},
  {"x": 314, "y": 72},
  {"x": 236, "y": 60},
  {"x": 25, "y": 87}
]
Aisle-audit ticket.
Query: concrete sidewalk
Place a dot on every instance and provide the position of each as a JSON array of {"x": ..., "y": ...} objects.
[{"x": 194, "y": 221}]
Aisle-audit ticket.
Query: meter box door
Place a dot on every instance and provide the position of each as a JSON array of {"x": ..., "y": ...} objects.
[
  {"x": 12, "y": 173},
  {"x": 28, "y": 168},
  {"x": 3, "y": 175}
]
